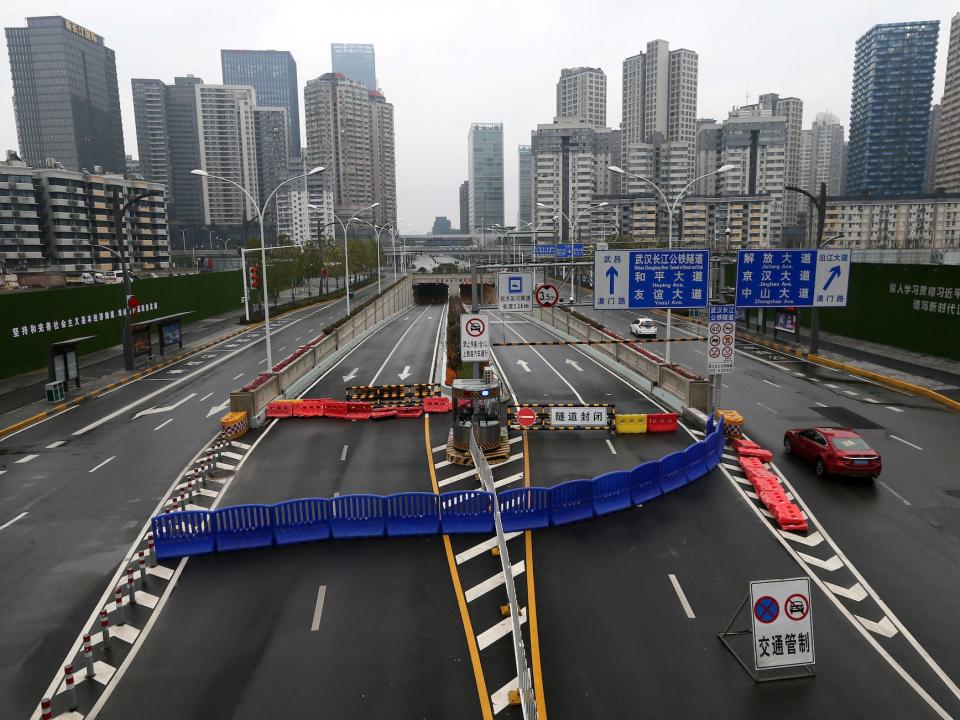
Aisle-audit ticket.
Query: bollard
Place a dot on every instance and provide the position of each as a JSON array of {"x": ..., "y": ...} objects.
[
  {"x": 175, "y": 505},
  {"x": 152, "y": 550},
  {"x": 142, "y": 564},
  {"x": 184, "y": 500},
  {"x": 118, "y": 599},
  {"x": 71, "y": 689},
  {"x": 46, "y": 709},
  {"x": 199, "y": 478},
  {"x": 88, "y": 655},
  {"x": 131, "y": 588},
  {"x": 105, "y": 628}
]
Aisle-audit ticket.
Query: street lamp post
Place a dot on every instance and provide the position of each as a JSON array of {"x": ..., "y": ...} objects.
[
  {"x": 118, "y": 212},
  {"x": 378, "y": 230},
  {"x": 263, "y": 250},
  {"x": 574, "y": 231},
  {"x": 671, "y": 209},
  {"x": 346, "y": 252},
  {"x": 820, "y": 203}
]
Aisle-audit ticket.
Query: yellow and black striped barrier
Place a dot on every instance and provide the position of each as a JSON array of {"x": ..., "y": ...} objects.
[
  {"x": 544, "y": 417},
  {"x": 392, "y": 394}
]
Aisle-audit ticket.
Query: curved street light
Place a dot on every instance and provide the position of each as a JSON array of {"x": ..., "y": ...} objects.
[{"x": 346, "y": 253}]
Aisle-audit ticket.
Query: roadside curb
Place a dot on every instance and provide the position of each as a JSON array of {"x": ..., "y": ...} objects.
[{"x": 57, "y": 409}]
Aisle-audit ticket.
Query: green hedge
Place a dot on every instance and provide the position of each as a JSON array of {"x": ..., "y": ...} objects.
[{"x": 73, "y": 308}]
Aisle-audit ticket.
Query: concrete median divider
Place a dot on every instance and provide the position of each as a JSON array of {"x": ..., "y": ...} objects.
[{"x": 196, "y": 532}]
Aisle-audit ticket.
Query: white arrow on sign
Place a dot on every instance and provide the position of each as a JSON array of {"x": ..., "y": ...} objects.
[
  {"x": 218, "y": 408},
  {"x": 576, "y": 365},
  {"x": 352, "y": 375},
  {"x": 154, "y": 410},
  {"x": 406, "y": 373},
  {"x": 523, "y": 364}
]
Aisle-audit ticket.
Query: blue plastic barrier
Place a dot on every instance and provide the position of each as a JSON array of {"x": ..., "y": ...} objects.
[
  {"x": 524, "y": 508},
  {"x": 243, "y": 526},
  {"x": 302, "y": 520},
  {"x": 694, "y": 468},
  {"x": 709, "y": 424},
  {"x": 645, "y": 482},
  {"x": 611, "y": 492},
  {"x": 466, "y": 511},
  {"x": 178, "y": 534},
  {"x": 672, "y": 471},
  {"x": 412, "y": 513},
  {"x": 571, "y": 501},
  {"x": 357, "y": 516}
]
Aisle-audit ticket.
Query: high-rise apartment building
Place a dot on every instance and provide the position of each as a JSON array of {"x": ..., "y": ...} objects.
[
  {"x": 273, "y": 76},
  {"x": 821, "y": 155},
  {"x": 65, "y": 95},
  {"x": 890, "y": 108},
  {"x": 305, "y": 206},
  {"x": 485, "y": 175},
  {"x": 933, "y": 143},
  {"x": 441, "y": 225},
  {"x": 524, "y": 184},
  {"x": 228, "y": 148},
  {"x": 465, "y": 206},
  {"x": 357, "y": 61},
  {"x": 273, "y": 158},
  {"x": 582, "y": 94},
  {"x": 570, "y": 161},
  {"x": 709, "y": 155},
  {"x": 948, "y": 147},
  {"x": 350, "y": 132}
]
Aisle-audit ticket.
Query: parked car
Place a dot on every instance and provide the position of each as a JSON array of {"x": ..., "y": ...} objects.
[
  {"x": 643, "y": 327},
  {"x": 834, "y": 451},
  {"x": 99, "y": 278},
  {"x": 86, "y": 278}
]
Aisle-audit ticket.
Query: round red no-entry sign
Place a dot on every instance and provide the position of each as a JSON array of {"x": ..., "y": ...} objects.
[{"x": 526, "y": 417}]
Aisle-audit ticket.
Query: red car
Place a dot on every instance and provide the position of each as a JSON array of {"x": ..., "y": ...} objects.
[{"x": 833, "y": 451}]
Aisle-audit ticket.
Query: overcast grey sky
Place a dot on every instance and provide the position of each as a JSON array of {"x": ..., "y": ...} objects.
[{"x": 446, "y": 63}]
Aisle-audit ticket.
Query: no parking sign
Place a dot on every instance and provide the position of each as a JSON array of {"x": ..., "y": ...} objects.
[{"x": 782, "y": 623}]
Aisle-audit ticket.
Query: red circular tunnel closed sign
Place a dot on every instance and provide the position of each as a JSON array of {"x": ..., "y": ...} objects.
[{"x": 526, "y": 417}]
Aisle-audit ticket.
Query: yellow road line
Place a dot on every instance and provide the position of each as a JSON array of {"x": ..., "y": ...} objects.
[
  {"x": 485, "y": 708},
  {"x": 532, "y": 601}
]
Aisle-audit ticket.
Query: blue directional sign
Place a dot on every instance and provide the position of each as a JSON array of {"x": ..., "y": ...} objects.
[
  {"x": 651, "y": 279},
  {"x": 543, "y": 250},
  {"x": 569, "y": 250},
  {"x": 792, "y": 278}
]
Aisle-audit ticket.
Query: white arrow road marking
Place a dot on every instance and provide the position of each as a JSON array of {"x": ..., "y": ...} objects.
[
  {"x": 352, "y": 375},
  {"x": 154, "y": 410},
  {"x": 882, "y": 627},
  {"x": 832, "y": 564},
  {"x": 218, "y": 408},
  {"x": 811, "y": 540},
  {"x": 575, "y": 364},
  {"x": 523, "y": 364},
  {"x": 406, "y": 373},
  {"x": 194, "y": 362},
  {"x": 855, "y": 592}
]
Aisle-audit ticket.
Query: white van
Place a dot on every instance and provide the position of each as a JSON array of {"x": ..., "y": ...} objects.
[{"x": 86, "y": 279}]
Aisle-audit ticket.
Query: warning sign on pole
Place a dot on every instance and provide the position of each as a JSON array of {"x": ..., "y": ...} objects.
[
  {"x": 782, "y": 622},
  {"x": 474, "y": 338},
  {"x": 720, "y": 339}
]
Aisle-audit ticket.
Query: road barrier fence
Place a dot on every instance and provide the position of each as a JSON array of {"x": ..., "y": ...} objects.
[{"x": 197, "y": 532}]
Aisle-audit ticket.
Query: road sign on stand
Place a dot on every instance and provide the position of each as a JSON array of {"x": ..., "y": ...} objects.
[
  {"x": 650, "y": 279},
  {"x": 474, "y": 338},
  {"x": 782, "y": 623},
  {"x": 526, "y": 417},
  {"x": 722, "y": 321},
  {"x": 515, "y": 291},
  {"x": 792, "y": 278},
  {"x": 547, "y": 296}
]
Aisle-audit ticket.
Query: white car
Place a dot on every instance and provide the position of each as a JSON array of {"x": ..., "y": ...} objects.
[{"x": 643, "y": 327}]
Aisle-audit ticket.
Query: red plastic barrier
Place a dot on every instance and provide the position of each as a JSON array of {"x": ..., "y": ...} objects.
[
  {"x": 759, "y": 453},
  {"x": 410, "y": 411},
  {"x": 381, "y": 413},
  {"x": 335, "y": 408},
  {"x": 789, "y": 517},
  {"x": 661, "y": 422},
  {"x": 774, "y": 498},
  {"x": 359, "y": 410},
  {"x": 742, "y": 443},
  {"x": 311, "y": 407},
  {"x": 280, "y": 409},
  {"x": 437, "y": 405}
]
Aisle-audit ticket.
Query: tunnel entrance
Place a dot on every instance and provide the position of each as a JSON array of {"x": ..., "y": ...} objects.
[{"x": 428, "y": 293}]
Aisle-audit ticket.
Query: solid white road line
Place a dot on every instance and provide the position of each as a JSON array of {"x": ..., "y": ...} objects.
[
  {"x": 893, "y": 492},
  {"x": 683, "y": 598},
  {"x": 906, "y": 442},
  {"x": 492, "y": 582},
  {"x": 508, "y": 480},
  {"x": 820, "y": 404},
  {"x": 394, "y": 348},
  {"x": 237, "y": 377},
  {"x": 502, "y": 628},
  {"x": 24, "y": 514},
  {"x": 165, "y": 422},
  {"x": 343, "y": 453},
  {"x": 613, "y": 450},
  {"x": 318, "y": 611},
  {"x": 485, "y": 546},
  {"x": 205, "y": 396},
  {"x": 25, "y": 459},
  {"x": 101, "y": 464},
  {"x": 771, "y": 383},
  {"x": 56, "y": 444},
  {"x": 775, "y": 412},
  {"x": 895, "y": 409}
]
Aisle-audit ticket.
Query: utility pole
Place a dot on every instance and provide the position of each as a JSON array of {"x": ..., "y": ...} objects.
[
  {"x": 118, "y": 231},
  {"x": 820, "y": 203}
]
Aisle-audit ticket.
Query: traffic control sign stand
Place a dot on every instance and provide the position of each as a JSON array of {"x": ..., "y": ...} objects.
[{"x": 759, "y": 676}]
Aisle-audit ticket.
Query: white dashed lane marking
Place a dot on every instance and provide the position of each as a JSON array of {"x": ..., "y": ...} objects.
[{"x": 25, "y": 459}]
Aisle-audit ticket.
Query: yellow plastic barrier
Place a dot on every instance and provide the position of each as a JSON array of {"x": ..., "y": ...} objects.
[
  {"x": 234, "y": 424},
  {"x": 732, "y": 423},
  {"x": 630, "y": 424}
]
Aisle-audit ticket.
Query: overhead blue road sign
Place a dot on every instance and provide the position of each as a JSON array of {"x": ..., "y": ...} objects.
[
  {"x": 792, "y": 278},
  {"x": 543, "y": 250},
  {"x": 650, "y": 279},
  {"x": 569, "y": 250}
]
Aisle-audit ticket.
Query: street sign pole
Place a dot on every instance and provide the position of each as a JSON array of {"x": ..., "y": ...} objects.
[{"x": 475, "y": 308}]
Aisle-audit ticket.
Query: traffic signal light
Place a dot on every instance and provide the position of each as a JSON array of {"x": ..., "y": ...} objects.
[{"x": 253, "y": 277}]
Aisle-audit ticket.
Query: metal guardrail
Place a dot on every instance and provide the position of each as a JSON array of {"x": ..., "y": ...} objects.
[{"x": 528, "y": 702}]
